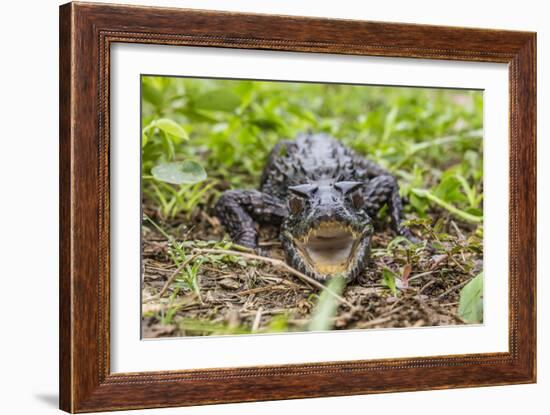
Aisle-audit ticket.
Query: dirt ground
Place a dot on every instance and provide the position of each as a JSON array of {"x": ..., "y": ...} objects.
[{"x": 240, "y": 296}]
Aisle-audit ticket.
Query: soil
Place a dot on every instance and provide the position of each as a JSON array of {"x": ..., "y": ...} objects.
[{"x": 240, "y": 296}]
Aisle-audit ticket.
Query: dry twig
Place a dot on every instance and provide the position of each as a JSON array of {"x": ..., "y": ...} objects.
[
  {"x": 171, "y": 278},
  {"x": 450, "y": 290},
  {"x": 257, "y": 320},
  {"x": 279, "y": 264}
]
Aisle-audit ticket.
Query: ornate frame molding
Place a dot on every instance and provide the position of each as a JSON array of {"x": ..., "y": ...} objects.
[{"x": 86, "y": 34}]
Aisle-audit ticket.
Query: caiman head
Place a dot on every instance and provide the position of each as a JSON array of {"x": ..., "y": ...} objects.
[{"x": 328, "y": 232}]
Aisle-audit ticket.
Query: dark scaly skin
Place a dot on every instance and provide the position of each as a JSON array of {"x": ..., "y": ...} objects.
[{"x": 340, "y": 187}]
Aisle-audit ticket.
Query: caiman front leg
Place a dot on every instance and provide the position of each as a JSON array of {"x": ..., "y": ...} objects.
[
  {"x": 241, "y": 210},
  {"x": 384, "y": 190}
]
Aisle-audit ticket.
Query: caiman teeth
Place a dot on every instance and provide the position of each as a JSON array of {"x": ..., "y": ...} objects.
[{"x": 327, "y": 227}]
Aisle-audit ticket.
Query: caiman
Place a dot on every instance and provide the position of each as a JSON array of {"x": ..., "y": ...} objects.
[{"x": 324, "y": 198}]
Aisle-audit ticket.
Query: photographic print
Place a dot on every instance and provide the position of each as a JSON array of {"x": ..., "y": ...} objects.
[{"x": 273, "y": 206}]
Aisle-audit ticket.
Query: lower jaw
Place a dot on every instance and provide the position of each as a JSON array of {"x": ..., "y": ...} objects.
[
  {"x": 330, "y": 270},
  {"x": 324, "y": 269},
  {"x": 325, "y": 272}
]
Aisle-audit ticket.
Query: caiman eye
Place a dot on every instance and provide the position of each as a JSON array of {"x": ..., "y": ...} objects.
[
  {"x": 347, "y": 187},
  {"x": 303, "y": 190},
  {"x": 296, "y": 204},
  {"x": 357, "y": 200},
  {"x": 353, "y": 190}
]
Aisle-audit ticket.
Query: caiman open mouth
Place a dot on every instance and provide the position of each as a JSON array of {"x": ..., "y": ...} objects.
[{"x": 329, "y": 248}]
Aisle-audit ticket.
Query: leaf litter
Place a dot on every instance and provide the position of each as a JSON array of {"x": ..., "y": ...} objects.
[{"x": 404, "y": 285}]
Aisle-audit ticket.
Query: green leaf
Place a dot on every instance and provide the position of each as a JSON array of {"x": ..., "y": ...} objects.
[
  {"x": 279, "y": 323},
  {"x": 423, "y": 193},
  {"x": 217, "y": 100},
  {"x": 171, "y": 127},
  {"x": 389, "y": 123},
  {"x": 144, "y": 139},
  {"x": 151, "y": 92},
  {"x": 327, "y": 306},
  {"x": 389, "y": 281},
  {"x": 182, "y": 172},
  {"x": 449, "y": 190},
  {"x": 396, "y": 241},
  {"x": 470, "y": 307}
]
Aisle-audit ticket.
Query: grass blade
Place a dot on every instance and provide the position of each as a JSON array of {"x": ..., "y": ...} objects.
[{"x": 327, "y": 306}]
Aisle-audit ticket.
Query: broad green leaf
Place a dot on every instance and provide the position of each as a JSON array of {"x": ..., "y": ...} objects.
[
  {"x": 470, "y": 307},
  {"x": 474, "y": 211},
  {"x": 449, "y": 190},
  {"x": 418, "y": 203},
  {"x": 267, "y": 123},
  {"x": 217, "y": 100},
  {"x": 389, "y": 281},
  {"x": 171, "y": 127},
  {"x": 327, "y": 306},
  {"x": 181, "y": 172}
]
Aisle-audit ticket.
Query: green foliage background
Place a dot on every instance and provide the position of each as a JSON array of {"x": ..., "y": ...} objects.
[{"x": 431, "y": 139}]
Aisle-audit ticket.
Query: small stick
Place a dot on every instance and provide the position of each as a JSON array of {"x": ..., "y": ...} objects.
[
  {"x": 423, "y": 274},
  {"x": 280, "y": 264},
  {"x": 152, "y": 268},
  {"x": 172, "y": 278},
  {"x": 458, "y": 231},
  {"x": 394, "y": 304},
  {"x": 267, "y": 312},
  {"x": 270, "y": 243},
  {"x": 379, "y": 320},
  {"x": 257, "y": 320},
  {"x": 162, "y": 307},
  {"x": 261, "y": 289},
  {"x": 456, "y": 262},
  {"x": 390, "y": 312},
  {"x": 426, "y": 286},
  {"x": 450, "y": 290}
]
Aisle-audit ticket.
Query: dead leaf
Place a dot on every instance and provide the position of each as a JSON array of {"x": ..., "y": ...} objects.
[
  {"x": 438, "y": 260},
  {"x": 405, "y": 275},
  {"x": 229, "y": 284}
]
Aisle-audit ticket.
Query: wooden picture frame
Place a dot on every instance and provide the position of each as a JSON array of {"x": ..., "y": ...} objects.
[{"x": 86, "y": 33}]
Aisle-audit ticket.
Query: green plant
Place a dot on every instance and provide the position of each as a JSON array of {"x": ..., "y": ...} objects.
[
  {"x": 172, "y": 200},
  {"x": 326, "y": 307},
  {"x": 166, "y": 316},
  {"x": 471, "y": 300},
  {"x": 389, "y": 280},
  {"x": 189, "y": 278}
]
